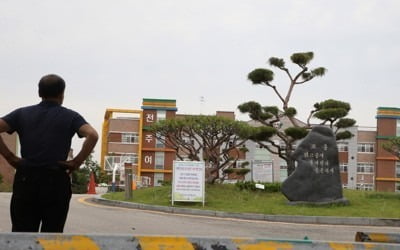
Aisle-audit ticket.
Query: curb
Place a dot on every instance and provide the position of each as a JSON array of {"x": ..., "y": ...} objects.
[{"x": 330, "y": 220}]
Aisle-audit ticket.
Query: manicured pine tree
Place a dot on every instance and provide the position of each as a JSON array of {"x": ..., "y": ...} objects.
[{"x": 331, "y": 112}]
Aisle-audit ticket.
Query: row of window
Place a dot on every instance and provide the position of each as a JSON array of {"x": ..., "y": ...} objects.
[
  {"x": 365, "y": 147},
  {"x": 367, "y": 167},
  {"x": 361, "y": 147},
  {"x": 110, "y": 160},
  {"x": 342, "y": 147},
  {"x": 133, "y": 158},
  {"x": 365, "y": 186},
  {"x": 362, "y": 167},
  {"x": 133, "y": 138},
  {"x": 130, "y": 138}
]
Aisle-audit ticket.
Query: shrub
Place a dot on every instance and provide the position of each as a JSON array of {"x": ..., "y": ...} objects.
[
  {"x": 165, "y": 183},
  {"x": 242, "y": 171},
  {"x": 237, "y": 171}
]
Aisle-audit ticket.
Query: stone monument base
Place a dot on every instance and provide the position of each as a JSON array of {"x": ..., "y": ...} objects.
[{"x": 341, "y": 201}]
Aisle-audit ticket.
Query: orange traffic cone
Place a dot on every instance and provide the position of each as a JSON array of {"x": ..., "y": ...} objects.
[{"x": 92, "y": 185}]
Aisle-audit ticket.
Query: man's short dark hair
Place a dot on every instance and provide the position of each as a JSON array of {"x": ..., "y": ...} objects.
[{"x": 51, "y": 86}]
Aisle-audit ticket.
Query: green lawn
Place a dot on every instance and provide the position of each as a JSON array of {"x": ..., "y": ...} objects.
[
  {"x": 230, "y": 199},
  {"x": 4, "y": 187}
]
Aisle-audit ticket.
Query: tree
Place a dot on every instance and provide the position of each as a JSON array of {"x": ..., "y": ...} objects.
[
  {"x": 93, "y": 166},
  {"x": 216, "y": 140},
  {"x": 80, "y": 177},
  {"x": 334, "y": 112},
  {"x": 331, "y": 112},
  {"x": 80, "y": 180},
  {"x": 393, "y": 146}
]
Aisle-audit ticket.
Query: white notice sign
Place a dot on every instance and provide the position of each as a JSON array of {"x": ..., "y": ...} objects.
[
  {"x": 188, "y": 181},
  {"x": 262, "y": 171}
]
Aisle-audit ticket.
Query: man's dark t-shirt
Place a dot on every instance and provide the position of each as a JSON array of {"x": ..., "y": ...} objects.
[{"x": 45, "y": 131}]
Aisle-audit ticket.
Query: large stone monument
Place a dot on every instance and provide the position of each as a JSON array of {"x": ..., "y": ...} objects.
[{"x": 317, "y": 175}]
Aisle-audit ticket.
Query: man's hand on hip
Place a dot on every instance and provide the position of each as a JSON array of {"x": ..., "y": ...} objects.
[
  {"x": 70, "y": 165},
  {"x": 14, "y": 160}
]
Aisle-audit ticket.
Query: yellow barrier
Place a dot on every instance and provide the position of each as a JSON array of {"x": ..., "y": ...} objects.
[
  {"x": 378, "y": 237},
  {"x": 118, "y": 242}
]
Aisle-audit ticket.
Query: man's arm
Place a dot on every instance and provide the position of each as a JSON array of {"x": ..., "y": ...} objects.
[
  {"x": 11, "y": 158},
  {"x": 91, "y": 138}
]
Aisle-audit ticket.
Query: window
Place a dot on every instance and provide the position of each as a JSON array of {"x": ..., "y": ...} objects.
[
  {"x": 158, "y": 179},
  {"x": 283, "y": 165},
  {"x": 132, "y": 158},
  {"x": 161, "y": 115},
  {"x": 398, "y": 127},
  {"x": 365, "y": 147},
  {"x": 188, "y": 141},
  {"x": 365, "y": 167},
  {"x": 283, "y": 171},
  {"x": 241, "y": 164},
  {"x": 159, "y": 143},
  {"x": 364, "y": 186},
  {"x": 159, "y": 163},
  {"x": 343, "y": 146},
  {"x": 397, "y": 187},
  {"x": 130, "y": 138},
  {"x": 397, "y": 169},
  {"x": 343, "y": 167}
]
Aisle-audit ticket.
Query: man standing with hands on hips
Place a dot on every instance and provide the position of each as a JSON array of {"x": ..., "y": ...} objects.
[{"x": 42, "y": 185}]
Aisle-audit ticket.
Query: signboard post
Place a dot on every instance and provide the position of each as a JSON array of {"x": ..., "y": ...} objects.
[{"x": 188, "y": 181}]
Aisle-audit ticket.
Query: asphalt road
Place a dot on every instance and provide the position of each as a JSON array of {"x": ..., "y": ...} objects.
[{"x": 87, "y": 218}]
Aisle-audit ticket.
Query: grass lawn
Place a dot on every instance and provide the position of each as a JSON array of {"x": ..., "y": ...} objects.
[
  {"x": 230, "y": 199},
  {"x": 4, "y": 187}
]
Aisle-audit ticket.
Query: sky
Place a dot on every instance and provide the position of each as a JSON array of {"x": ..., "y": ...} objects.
[{"x": 112, "y": 54}]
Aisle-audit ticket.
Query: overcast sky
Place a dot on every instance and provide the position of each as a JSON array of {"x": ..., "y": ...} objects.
[{"x": 113, "y": 54}]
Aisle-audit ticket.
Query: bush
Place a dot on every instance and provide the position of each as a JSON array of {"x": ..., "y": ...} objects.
[
  {"x": 165, "y": 183},
  {"x": 237, "y": 171},
  {"x": 251, "y": 186}
]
